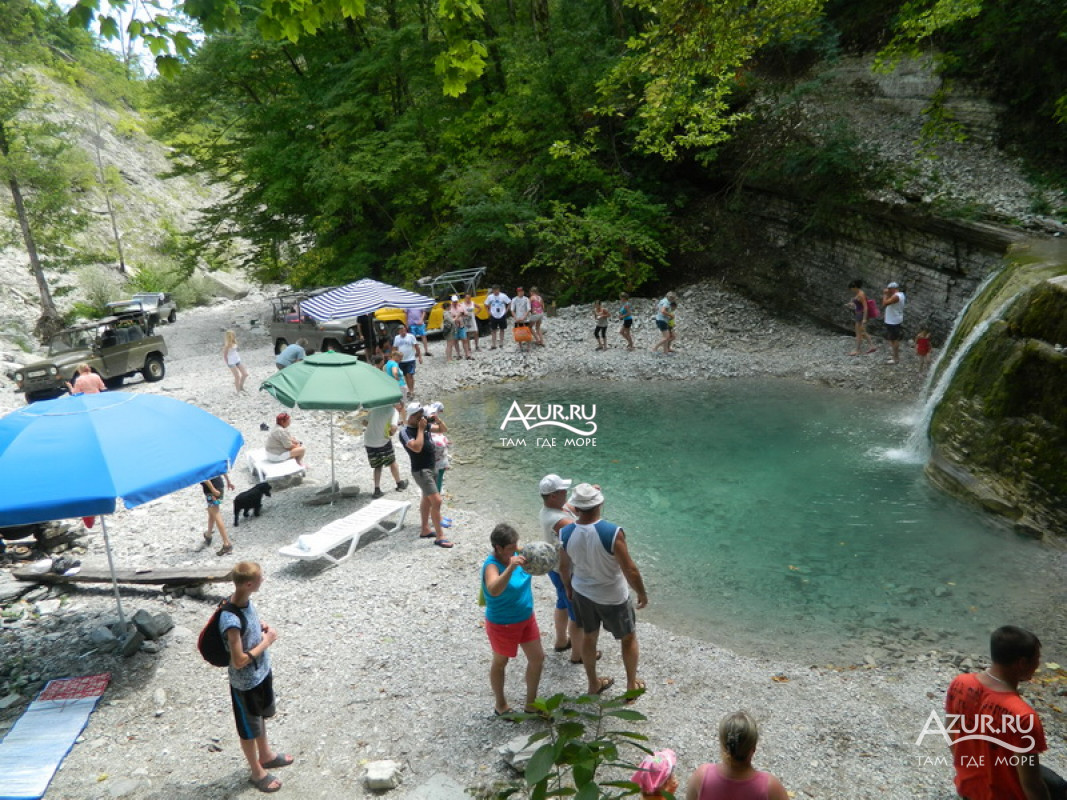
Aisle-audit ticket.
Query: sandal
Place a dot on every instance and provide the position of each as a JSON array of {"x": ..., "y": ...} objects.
[
  {"x": 563, "y": 649},
  {"x": 268, "y": 783},
  {"x": 225, "y": 550},
  {"x": 605, "y": 684},
  {"x": 579, "y": 661},
  {"x": 207, "y": 538},
  {"x": 442, "y": 543},
  {"x": 279, "y": 760}
]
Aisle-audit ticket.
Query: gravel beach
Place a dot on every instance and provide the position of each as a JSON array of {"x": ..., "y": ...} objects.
[{"x": 385, "y": 656}]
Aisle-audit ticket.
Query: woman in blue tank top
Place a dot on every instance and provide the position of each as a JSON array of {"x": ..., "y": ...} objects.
[{"x": 509, "y": 616}]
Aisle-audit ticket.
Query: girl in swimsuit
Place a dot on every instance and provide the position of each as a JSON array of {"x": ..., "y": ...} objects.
[{"x": 233, "y": 361}]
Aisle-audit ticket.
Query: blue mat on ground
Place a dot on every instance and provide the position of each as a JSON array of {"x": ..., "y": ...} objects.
[{"x": 33, "y": 749}]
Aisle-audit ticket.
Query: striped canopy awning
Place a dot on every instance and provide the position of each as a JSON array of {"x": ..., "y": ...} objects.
[{"x": 362, "y": 297}]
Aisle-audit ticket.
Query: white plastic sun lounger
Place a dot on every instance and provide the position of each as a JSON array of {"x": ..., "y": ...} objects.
[
  {"x": 347, "y": 530},
  {"x": 264, "y": 470}
]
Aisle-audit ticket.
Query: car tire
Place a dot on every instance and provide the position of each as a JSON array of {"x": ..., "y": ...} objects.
[
  {"x": 172, "y": 318},
  {"x": 279, "y": 345},
  {"x": 154, "y": 370}
]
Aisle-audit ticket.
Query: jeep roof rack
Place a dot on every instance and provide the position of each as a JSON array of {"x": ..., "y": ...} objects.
[{"x": 456, "y": 282}]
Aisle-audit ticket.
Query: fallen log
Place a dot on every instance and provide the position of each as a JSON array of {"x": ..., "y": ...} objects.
[{"x": 167, "y": 576}]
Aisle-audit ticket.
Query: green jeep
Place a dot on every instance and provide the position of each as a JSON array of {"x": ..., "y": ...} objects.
[{"x": 113, "y": 347}]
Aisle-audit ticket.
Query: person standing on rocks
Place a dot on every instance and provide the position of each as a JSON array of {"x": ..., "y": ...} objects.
[
  {"x": 626, "y": 317},
  {"x": 378, "y": 442},
  {"x": 537, "y": 314},
  {"x": 213, "y": 494},
  {"x": 251, "y": 678},
  {"x": 520, "y": 313},
  {"x": 509, "y": 616},
  {"x": 498, "y": 303},
  {"x": 893, "y": 301},
  {"x": 473, "y": 334},
  {"x": 664, "y": 316},
  {"x": 232, "y": 358},
  {"x": 597, "y": 570},
  {"x": 860, "y": 310},
  {"x": 408, "y": 347},
  {"x": 989, "y": 706},
  {"x": 554, "y": 515},
  {"x": 416, "y": 439},
  {"x": 416, "y": 318}
]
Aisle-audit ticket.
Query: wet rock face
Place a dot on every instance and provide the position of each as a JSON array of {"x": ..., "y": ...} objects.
[{"x": 1000, "y": 433}]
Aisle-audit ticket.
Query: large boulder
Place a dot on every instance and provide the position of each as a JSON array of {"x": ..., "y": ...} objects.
[{"x": 999, "y": 434}]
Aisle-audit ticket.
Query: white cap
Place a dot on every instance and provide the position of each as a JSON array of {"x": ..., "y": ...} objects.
[
  {"x": 554, "y": 483},
  {"x": 455, "y": 298},
  {"x": 893, "y": 285},
  {"x": 414, "y": 408}
]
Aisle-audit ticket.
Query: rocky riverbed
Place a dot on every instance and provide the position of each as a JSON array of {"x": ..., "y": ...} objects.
[{"x": 385, "y": 657}]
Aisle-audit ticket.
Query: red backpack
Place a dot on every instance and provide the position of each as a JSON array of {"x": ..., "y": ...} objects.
[
  {"x": 211, "y": 644},
  {"x": 872, "y": 309}
]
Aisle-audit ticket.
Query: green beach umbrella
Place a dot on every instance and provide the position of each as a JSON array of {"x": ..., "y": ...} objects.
[{"x": 332, "y": 382}]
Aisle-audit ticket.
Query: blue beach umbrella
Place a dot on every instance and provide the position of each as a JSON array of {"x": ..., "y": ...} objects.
[
  {"x": 78, "y": 455},
  {"x": 362, "y": 297}
]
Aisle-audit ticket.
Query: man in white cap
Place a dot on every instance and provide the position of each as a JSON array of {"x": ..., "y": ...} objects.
[
  {"x": 893, "y": 308},
  {"x": 415, "y": 436},
  {"x": 598, "y": 572},
  {"x": 556, "y": 514}
]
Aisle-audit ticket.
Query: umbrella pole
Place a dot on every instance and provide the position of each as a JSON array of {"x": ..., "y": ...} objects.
[
  {"x": 114, "y": 579},
  {"x": 333, "y": 478}
]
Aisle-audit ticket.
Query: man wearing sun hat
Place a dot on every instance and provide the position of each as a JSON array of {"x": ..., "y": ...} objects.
[
  {"x": 597, "y": 570},
  {"x": 415, "y": 436}
]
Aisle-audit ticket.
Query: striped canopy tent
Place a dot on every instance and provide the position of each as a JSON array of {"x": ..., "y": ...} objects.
[{"x": 362, "y": 297}]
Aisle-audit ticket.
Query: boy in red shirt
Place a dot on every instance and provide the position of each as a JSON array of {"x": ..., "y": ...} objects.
[{"x": 987, "y": 704}]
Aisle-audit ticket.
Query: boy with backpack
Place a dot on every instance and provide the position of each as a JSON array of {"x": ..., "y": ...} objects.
[{"x": 251, "y": 682}]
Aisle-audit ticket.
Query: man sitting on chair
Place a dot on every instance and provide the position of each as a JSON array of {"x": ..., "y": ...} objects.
[{"x": 281, "y": 446}]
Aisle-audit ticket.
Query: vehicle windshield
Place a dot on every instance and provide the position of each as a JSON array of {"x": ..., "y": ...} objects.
[{"x": 65, "y": 341}]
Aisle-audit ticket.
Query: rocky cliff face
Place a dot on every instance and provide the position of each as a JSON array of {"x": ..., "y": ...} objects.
[{"x": 999, "y": 434}]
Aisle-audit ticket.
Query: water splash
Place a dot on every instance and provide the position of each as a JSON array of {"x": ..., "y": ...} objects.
[{"x": 919, "y": 441}]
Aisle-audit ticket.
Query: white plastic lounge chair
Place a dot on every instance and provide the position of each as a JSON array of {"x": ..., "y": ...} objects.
[
  {"x": 347, "y": 530},
  {"x": 264, "y": 470}
]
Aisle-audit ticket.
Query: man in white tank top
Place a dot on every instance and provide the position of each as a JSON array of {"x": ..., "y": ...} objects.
[{"x": 597, "y": 570}]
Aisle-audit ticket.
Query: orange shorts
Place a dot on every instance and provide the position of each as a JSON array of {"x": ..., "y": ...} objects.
[{"x": 505, "y": 639}]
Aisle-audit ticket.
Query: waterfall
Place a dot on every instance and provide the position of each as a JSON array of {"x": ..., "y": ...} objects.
[{"x": 918, "y": 442}]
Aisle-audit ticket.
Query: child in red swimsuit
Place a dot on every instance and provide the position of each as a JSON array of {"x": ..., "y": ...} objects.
[{"x": 922, "y": 348}]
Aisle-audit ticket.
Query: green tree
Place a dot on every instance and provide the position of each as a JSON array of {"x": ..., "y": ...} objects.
[{"x": 41, "y": 170}]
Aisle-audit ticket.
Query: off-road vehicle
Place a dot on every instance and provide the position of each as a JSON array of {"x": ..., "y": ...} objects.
[
  {"x": 156, "y": 306},
  {"x": 440, "y": 287},
  {"x": 289, "y": 323},
  {"x": 114, "y": 348}
]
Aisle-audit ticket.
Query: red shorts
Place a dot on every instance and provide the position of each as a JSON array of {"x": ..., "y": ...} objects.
[{"x": 505, "y": 639}]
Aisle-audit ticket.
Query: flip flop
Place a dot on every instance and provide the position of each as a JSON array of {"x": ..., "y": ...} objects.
[
  {"x": 579, "y": 661},
  {"x": 605, "y": 684},
  {"x": 427, "y": 535},
  {"x": 264, "y": 783},
  {"x": 279, "y": 760},
  {"x": 446, "y": 522},
  {"x": 563, "y": 649},
  {"x": 442, "y": 543},
  {"x": 631, "y": 700}
]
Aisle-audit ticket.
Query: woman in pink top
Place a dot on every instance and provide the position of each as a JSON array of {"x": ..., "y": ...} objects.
[
  {"x": 537, "y": 313},
  {"x": 735, "y": 778}
]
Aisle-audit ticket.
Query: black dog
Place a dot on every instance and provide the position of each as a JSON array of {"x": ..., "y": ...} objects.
[{"x": 250, "y": 500}]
